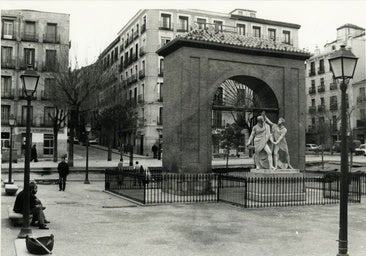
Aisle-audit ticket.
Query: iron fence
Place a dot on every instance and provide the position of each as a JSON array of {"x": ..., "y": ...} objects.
[{"x": 153, "y": 186}]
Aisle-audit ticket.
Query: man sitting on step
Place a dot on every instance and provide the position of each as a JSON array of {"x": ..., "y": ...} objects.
[{"x": 36, "y": 207}]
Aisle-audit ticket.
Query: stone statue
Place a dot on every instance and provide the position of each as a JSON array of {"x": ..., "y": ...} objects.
[
  {"x": 280, "y": 144},
  {"x": 262, "y": 136}
]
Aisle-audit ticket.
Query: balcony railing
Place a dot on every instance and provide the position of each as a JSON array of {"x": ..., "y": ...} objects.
[
  {"x": 142, "y": 51},
  {"x": 134, "y": 57},
  {"x": 321, "y": 88},
  {"x": 143, "y": 28},
  {"x": 361, "y": 100},
  {"x": 30, "y": 37},
  {"x": 312, "y": 73},
  {"x": 8, "y": 95},
  {"x": 312, "y": 109},
  {"x": 333, "y": 106},
  {"x": 136, "y": 34},
  {"x": 140, "y": 98},
  {"x": 333, "y": 86},
  {"x": 141, "y": 74},
  {"x": 321, "y": 108},
  {"x": 312, "y": 90},
  {"x": 9, "y": 63},
  {"x": 129, "y": 80},
  {"x": 134, "y": 78},
  {"x": 8, "y": 36},
  {"x": 54, "y": 39},
  {"x": 321, "y": 70}
]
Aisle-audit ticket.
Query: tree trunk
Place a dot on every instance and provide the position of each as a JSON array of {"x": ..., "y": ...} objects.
[
  {"x": 109, "y": 158},
  {"x": 55, "y": 146},
  {"x": 71, "y": 137}
]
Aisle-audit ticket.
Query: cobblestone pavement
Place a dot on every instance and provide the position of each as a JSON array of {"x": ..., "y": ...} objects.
[{"x": 87, "y": 221}]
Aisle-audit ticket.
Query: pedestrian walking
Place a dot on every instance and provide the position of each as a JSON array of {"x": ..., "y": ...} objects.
[
  {"x": 63, "y": 171},
  {"x": 154, "y": 149},
  {"x": 34, "y": 155}
]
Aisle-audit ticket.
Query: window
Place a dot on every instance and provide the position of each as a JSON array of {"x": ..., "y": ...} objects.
[
  {"x": 24, "y": 115},
  {"x": 183, "y": 24},
  {"x": 5, "y": 86},
  {"x": 5, "y": 112},
  {"x": 312, "y": 68},
  {"x": 7, "y": 57},
  {"x": 30, "y": 31},
  {"x": 218, "y": 25},
  {"x": 286, "y": 37},
  {"x": 50, "y": 64},
  {"x": 8, "y": 29},
  {"x": 363, "y": 114},
  {"x": 272, "y": 34},
  {"x": 313, "y": 121},
  {"x": 160, "y": 117},
  {"x": 321, "y": 66},
  {"x": 256, "y": 31},
  {"x": 322, "y": 82},
  {"x": 322, "y": 101},
  {"x": 29, "y": 57},
  {"x": 219, "y": 96},
  {"x": 160, "y": 91},
  {"x": 321, "y": 119},
  {"x": 201, "y": 23},
  {"x": 135, "y": 94},
  {"x": 142, "y": 91},
  {"x": 313, "y": 102},
  {"x": 48, "y": 114},
  {"x": 334, "y": 121},
  {"x": 137, "y": 29},
  {"x": 217, "y": 119},
  {"x": 313, "y": 84},
  {"x": 51, "y": 33},
  {"x": 241, "y": 29},
  {"x": 143, "y": 66},
  {"x": 362, "y": 91},
  {"x": 165, "y": 40},
  {"x": 136, "y": 51},
  {"x": 161, "y": 67},
  {"x": 165, "y": 21},
  {"x": 48, "y": 144},
  {"x": 48, "y": 87},
  {"x": 333, "y": 100}
]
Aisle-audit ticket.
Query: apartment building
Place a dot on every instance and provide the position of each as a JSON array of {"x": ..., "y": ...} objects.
[
  {"x": 324, "y": 95},
  {"x": 140, "y": 73},
  {"x": 39, "y": 40}
]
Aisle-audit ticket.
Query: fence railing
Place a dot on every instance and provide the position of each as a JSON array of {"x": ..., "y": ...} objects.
[{"x": 152, "y": 186}]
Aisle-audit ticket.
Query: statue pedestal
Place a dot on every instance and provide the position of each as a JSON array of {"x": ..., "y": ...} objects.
[{"x": 275, "y": 186}]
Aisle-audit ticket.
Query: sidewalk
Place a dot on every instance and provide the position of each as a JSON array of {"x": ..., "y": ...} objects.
[{"x": 87, "y": 221}]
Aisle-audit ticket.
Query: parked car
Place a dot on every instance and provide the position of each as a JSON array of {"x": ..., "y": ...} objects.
[
  {"x": 361, "y": 150},
  {"x": 93, "y": 141},
  {"x": 76, "y": 140},
  {"x": 351, "y": 145},
  {"x": 312, "y": 147}
]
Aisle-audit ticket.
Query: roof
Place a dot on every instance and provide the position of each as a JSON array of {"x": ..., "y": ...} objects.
[
  {"x": 349, "y": 25},
  {"x": 209, "y": 38},
  {"x": 265, "y": 21},
  {"x": 110, "y": 46}
]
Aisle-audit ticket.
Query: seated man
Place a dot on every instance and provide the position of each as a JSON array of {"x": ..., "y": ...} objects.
[{"x": 36, "y": 207}]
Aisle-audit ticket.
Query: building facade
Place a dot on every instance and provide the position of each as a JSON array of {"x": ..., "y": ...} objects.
[
  {"x": 39, "y": 40},
  {"x": 138, "y": 71},
  {"x": 324, "y": 95}
]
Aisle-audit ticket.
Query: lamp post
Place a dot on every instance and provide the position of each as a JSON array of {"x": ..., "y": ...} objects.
[
  {"x": 87, "y": 130},
  {"x": 30, "y": 81},
  {"x": 343, "y": 64},
  {"x": 11, "y": 123}
]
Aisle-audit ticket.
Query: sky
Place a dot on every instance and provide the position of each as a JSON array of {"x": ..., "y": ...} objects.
[{"x": 95, "y": 24}]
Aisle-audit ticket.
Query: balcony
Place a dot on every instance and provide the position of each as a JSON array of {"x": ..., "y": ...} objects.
[
  {"x": 126, "y": 63},
  {"x": 141, "y": 74},
  {"x": 8, "y": 36},
  {"x": 140, "y": 98},
  {"x": 333, "y": 86},
  {"x": 321, "y": 108},
  {"x": 143, "y": 28},
  {"x": 165, "y": 26},
  {"x": 8, "y": 95},
  {"x": 8, "y": 64},
  {"x": 129, "y": 80},
  {"x": 124, "y": 83},
  {"x": 321, "y": 70},
  {"x": 135, "y": 57},
  {"x": 142, "y": 51},
  {"x": 134, "y": 78},
  {"x": 136, "y": 34},
  {"x": 312, "y": 73},
  {"x": 53, "y": 39},
  {"x": 321, "y": 88},
  {"x": 120, "y": 67},
  {"x": 28, "y": 37},
  {"x": 312, "y": 90},
  {"x": 312, "y": 109},
  {"x": 361, "y": 100},
  {"x": 161, "y": 72},
  {"x": 333, "y": 106}
]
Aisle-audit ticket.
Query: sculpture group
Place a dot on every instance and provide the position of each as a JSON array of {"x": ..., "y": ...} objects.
[{"x": 270, "y": 145}]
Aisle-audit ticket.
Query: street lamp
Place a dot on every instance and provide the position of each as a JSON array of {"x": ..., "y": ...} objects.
[
  {"x": 87, "y": 130},
  {"x": 30, "y": 81},
  {"x": 11, "y": 123},
  {"x": 343, "y": 64}
]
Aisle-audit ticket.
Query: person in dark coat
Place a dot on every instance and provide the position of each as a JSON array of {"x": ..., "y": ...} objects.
[
  {"x": 34, "y": 155},
  {"x": 36, "y": 207},
  {"x": 154, "y": 149},
  {"x": 63, "y": 171}
]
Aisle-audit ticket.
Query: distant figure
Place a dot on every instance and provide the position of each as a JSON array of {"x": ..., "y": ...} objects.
[
  {"x": 34, "y": 155},
  {"x": 154, "y": 149},
  {"x": 63, "y": 171},
  {"x": 36, "y": 207},
  {"x": 261, "y": 135},
  {"x": 280, "y": 144}
]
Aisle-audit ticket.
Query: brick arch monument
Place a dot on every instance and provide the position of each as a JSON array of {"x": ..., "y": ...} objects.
[{"x": 197, "y": 63}]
